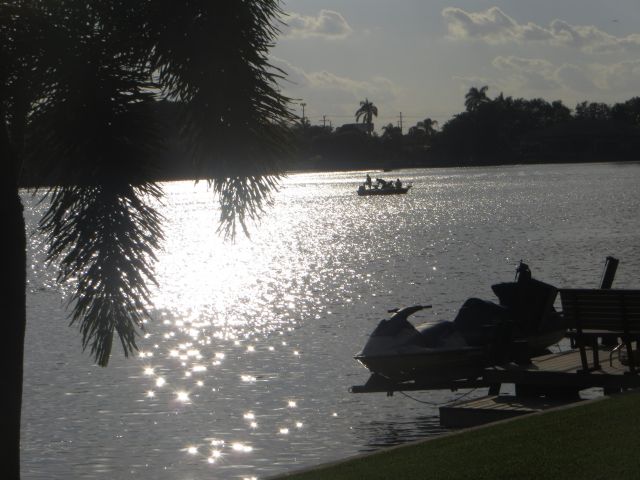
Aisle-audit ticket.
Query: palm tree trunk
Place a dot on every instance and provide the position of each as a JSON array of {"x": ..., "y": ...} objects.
[{"x": 13, "y": 307}]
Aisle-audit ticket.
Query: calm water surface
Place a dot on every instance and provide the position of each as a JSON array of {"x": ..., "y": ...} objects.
[{"x": 244, "y": 370}]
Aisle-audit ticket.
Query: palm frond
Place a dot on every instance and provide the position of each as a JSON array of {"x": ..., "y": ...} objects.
[
  {"x": 213, "y": 57},
  {"x": 243, "y": 199},
  {"x": 95, "y": 140},
  {"x": 92, "y": 136},
  {"x": 104, "y": 237}
]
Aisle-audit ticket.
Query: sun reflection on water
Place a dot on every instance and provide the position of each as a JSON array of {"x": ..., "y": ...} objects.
[
  {"x": 229, "y": 312},
  {"x": 182, "y": 396},
  {"x": 241, "y": 447},
  {"x": 243, "y": 329}
]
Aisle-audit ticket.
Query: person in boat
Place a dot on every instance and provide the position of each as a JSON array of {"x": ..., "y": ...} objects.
[
  {"x": 368, "y": 181},
  {"x": 398, "y": 183}
]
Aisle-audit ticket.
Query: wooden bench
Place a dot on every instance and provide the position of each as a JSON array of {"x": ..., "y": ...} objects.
[{"x": 593, "y": 313}]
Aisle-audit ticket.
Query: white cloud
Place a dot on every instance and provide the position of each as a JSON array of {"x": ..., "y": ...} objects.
[
  {"x": 622, "y": 76},
  {"x": 530, "y": 73},
  {"x": 295, "y": 77},
  {"x": 327, "y": 24},
  {"x": 377, "y": 87},
  {"x": 542, "y": 75},
  {"x": 493, "y": 26},
  {"x": 466, "y": 82},
  {"x": 523, "y": 64},
  {"x": 328, "y": 93},
  {"x": 576, "y": 78}
]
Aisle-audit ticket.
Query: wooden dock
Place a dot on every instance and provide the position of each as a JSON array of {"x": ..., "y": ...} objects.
[
  {"x": 493, "y": 408},
  {"x": 549, "y": 381},
  {"x": 563, "y": 370}
]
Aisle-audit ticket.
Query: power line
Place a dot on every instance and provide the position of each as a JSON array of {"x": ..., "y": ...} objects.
[
  {"x": 404, "y": 116},
  {"x": 398, "y": 120}
]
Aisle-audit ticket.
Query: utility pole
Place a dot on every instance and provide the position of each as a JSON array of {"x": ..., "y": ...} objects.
[
  {"x": 303, "y": 105},
  {"x": 324, "y": 121},
  {"x": 400, "y": 122}
]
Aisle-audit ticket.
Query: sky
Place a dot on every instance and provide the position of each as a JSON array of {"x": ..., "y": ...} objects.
[{"x": 420, "y": 57}]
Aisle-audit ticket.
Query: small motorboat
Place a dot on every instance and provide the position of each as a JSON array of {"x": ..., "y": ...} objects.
[
  {"x": 522, "y": 325},
  {"x": 382, "y": 187},
  {"x": 362, "y": 191}
]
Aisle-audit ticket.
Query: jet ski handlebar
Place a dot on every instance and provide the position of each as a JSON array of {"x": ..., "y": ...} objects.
[{"x": 406, "y": 311}]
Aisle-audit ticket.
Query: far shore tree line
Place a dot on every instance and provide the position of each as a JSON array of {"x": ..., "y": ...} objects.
[{"x": 491, "y": 131}]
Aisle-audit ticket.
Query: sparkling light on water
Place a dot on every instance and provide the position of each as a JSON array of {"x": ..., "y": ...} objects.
[
  {"x": 241, "y": 447},
  {"x": 182, "y": 396},
  {"x": 245, "y": 365}
]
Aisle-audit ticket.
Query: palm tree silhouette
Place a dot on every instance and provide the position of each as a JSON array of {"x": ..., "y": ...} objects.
[
  {"x": 79, "y": 81},
  {"x": 428, "y": 126},
  {"x": 476, "y": 97},
  {"x": 367, "y": 111}
]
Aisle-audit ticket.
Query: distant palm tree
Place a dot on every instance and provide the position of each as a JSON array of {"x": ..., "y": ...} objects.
[
  {"x": 428, "y": 126},
  {"x": 367, "y": 111},
  {"x": 389, "y": 129},
  {"x": 391, "y": 132},
  {"x": 476, "y": 97}
]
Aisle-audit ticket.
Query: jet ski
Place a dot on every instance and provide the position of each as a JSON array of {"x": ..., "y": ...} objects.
[{"x": 521, "y": 325}]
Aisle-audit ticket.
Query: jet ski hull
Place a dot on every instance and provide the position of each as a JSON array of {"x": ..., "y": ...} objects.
[
  {"x": 436, "y": 364},
  {"x": 483, "y": 333}
]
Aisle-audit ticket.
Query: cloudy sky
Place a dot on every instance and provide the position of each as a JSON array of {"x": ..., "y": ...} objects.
[{"x": 420, "y": 57}]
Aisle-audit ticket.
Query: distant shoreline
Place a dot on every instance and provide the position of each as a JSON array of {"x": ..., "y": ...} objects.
[{"x": 375, "y": 168}]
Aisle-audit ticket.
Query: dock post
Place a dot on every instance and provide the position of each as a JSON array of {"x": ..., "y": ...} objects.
[{"x": 610, "y": 267}]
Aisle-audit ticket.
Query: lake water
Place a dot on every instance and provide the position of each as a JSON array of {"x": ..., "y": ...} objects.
[{"x": 245, "y": 369}]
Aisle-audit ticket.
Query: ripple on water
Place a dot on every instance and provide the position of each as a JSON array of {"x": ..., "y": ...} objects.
[{"x": 245, "y": 370}]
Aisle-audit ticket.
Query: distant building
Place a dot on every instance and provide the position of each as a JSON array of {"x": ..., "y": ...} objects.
[{"x": 362, "y": 127}]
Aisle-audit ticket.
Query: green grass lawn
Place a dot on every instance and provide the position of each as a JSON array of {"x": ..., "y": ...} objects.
[{"x": 598, "y": 440}]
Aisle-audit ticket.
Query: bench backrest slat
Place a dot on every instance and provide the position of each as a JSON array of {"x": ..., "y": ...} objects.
[{"x": 591, "y": 309}]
